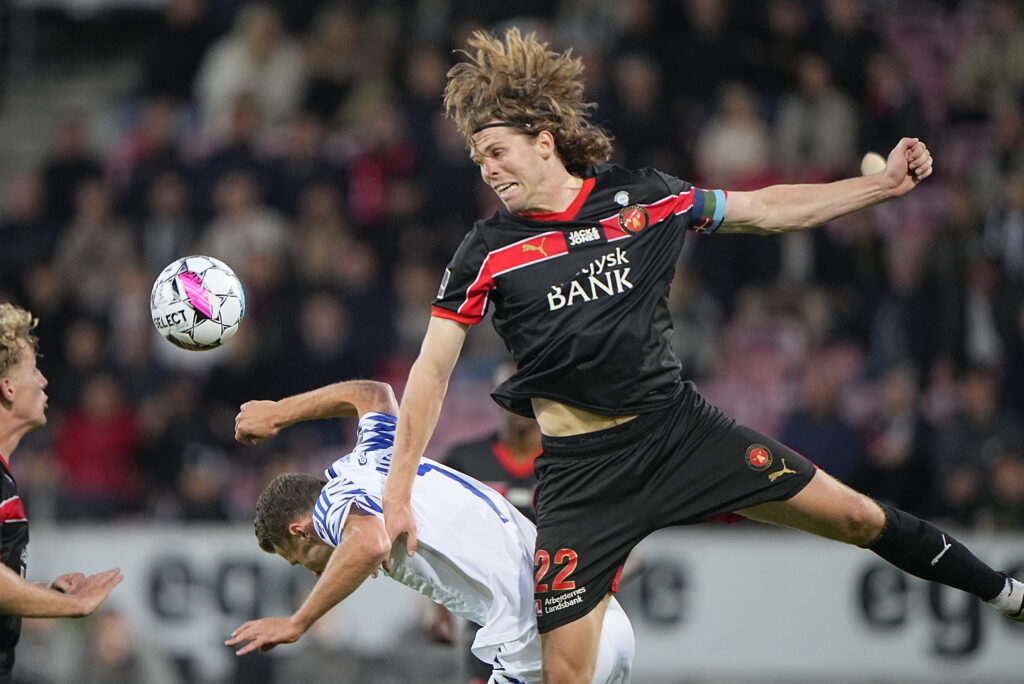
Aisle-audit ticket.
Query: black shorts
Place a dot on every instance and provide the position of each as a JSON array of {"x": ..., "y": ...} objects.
[
  {"x": 7, "y": 660},
  {"x": 600, "y": 493}
]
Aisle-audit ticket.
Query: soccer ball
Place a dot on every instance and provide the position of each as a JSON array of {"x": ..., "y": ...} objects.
[{"x": 197, "y": 303}]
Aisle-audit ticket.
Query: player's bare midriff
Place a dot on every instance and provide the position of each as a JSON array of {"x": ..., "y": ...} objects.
[{"x": 561, "y": 420}]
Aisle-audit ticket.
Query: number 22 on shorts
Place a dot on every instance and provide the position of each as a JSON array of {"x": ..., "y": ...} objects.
[{"x": 567, "y": 558}]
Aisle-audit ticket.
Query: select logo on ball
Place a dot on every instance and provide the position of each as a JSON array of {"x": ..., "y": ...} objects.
[
  {"x": 758, "y": 456},
  {"x": 170, "y": 319}
]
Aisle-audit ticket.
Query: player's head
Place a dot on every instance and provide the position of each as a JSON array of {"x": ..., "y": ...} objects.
[
  {"x": 22, "y": 385},
  {"x": 284, "y": 521},
  {"x": 519, "y": 87}
]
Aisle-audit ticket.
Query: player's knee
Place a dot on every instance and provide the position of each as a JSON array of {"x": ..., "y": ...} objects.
[
  {"x": 862, "y": 521},
  {"x": 558, "y": 669}
]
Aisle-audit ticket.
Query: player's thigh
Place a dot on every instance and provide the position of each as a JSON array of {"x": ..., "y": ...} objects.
[
  {"x": 825, "y": 507},
  {"x": 615, "y": 652},
  {"x": 709, "y": 465},
  {"x": 569, "y": 652}
]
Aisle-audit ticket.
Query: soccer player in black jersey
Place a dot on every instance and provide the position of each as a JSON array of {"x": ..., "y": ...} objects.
[
  {"x": 577, "y": 267},
  {"x": 22, "y": 410}
]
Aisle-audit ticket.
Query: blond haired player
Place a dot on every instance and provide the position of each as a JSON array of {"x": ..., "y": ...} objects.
[{"x": 22, "y": 410}]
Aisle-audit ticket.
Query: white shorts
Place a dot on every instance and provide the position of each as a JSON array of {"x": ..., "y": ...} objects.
[
  {"x": 518, "y": 662},
  {"x": 615, "y": 654}
]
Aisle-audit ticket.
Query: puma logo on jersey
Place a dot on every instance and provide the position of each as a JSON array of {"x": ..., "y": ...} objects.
[
  {"x": 535, "y": 248},
  {"x": 772, "y": 477}
]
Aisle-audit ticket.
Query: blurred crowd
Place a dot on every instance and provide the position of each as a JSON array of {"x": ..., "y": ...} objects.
[{"x": 304, "y": 143}]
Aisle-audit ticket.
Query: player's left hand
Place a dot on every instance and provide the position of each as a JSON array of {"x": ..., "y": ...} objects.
[
  {"x": 256, "y": 422},
  {"x": 68, "y": 583},
  {"x": 909, "y": 163},
  {"x": 264, "y": 634}
]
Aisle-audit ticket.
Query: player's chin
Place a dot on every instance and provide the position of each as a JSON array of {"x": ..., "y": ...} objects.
[{"x": 511, "y": 203}]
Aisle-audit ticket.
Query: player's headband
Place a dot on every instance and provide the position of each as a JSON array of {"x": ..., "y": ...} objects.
[{"x": 505, "y": 124}]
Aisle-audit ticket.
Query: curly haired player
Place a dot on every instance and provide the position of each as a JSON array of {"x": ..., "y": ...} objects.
[{"x": 577, "y": 267}]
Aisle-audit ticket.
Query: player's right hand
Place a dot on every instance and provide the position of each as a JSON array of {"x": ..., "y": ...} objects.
[
  {"x": 264, "y": 634},
  {"x": 256, "y": 422},
  {"x": 398, "y": 520},
  {"x": 94, "y": 590}
]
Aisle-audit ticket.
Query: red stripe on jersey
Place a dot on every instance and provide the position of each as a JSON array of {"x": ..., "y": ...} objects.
[
  {"x": 440, "y": 312},
  {"x": 615, "y": 582},
  {"x": 523, "y": 253},
  {"x": 612, "y": 229},
  {"x": 570, "y": 212},
  {"x": 656, "y": 211},
  {"x": 12, "y": 510},
  {"x": 526, "y": 252},
  {"x": 475, "y": 304}
]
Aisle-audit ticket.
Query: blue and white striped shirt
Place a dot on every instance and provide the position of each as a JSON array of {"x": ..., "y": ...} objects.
[{"x": 475, "y": 553}]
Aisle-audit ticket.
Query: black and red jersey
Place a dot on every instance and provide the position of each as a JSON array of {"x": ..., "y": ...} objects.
[
  {"x": 488, "y": 460},
  {"x": 13, "y": 550},
  {"x": 581, "y": 297}
]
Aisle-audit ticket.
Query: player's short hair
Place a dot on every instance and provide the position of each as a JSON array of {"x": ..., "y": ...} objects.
[
  {"x": 287, "y": 498},
  {"x": 16, "y": 327},
  {"x": 521, "y": 82}
]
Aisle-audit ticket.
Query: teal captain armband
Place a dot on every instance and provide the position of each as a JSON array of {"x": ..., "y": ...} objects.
[{"x": 708, "y": 210}]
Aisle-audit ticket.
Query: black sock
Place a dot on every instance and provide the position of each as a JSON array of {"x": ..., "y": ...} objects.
[{"x": 918, "y": 547}]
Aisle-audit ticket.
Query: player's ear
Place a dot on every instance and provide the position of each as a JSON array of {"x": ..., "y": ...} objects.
[
  {"x": 545, "y": 142},
  {"x": 6, "y": 389},
  {"x": 298, "y": 529}
]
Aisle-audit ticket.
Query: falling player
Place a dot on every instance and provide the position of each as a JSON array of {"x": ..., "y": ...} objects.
[{"x": 476, "y": 552}]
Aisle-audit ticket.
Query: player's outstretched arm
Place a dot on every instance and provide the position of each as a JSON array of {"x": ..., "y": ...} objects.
[
  {"x": 67, "y": 596},
  {"x": 364, "y": 546},
  {"x": 258, "y": 421},
  {"x": 786, "y": 208},
  {"x": 417, "y": 418}
]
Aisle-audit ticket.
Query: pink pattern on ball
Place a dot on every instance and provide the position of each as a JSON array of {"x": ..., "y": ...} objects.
[{"x": 197, "y": 296}]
